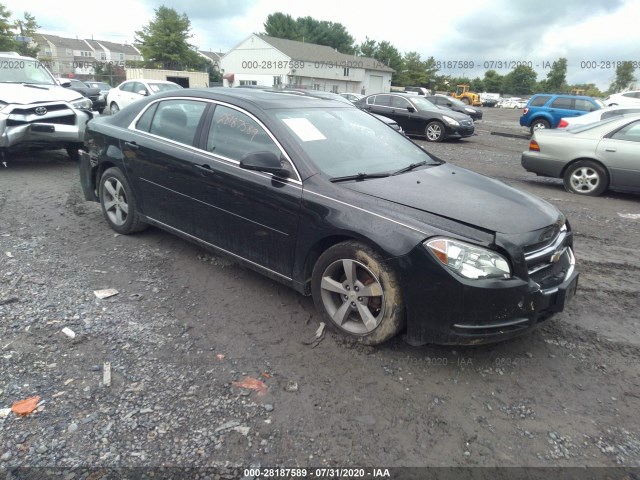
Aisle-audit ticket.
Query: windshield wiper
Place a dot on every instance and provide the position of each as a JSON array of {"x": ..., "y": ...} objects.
[
  {"x": 409, "y": 167},
  {"x": 358, "y": 176}
]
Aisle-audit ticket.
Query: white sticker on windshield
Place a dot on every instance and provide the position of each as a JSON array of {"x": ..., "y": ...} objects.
[{"x": 304, "y": 129}]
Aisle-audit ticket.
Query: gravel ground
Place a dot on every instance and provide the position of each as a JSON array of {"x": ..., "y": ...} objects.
[{"x": 187, "y": 329}]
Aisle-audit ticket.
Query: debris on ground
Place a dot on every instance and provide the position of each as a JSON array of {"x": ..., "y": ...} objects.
[
  {"x": 26, "y": 406},
  {"x": 105, "y": 293},
  {"x": 252, "y": 384}
]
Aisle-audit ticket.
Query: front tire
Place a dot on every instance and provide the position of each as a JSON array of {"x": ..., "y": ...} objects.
[
  {"x": 586, "y": 177},
  {"x": 434, "y": 132},
  {"x": 118, "y": 203},
  {"x": 465, "y": 100},
  {"x": 113, "y": 108},
  {"x": 358, "y": 293}
]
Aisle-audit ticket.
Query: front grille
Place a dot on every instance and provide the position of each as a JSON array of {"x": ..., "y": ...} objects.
[
  {"x": 60, "y": 114},
  {"x": 551, "y": 261}
]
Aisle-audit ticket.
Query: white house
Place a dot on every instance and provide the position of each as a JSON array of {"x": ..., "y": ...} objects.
[{"x": 269, "y": 61}]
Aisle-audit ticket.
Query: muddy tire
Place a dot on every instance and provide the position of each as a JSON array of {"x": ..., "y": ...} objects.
[
  {"x": 118, "y": 203},
  {"x": 358, "y": 293}
]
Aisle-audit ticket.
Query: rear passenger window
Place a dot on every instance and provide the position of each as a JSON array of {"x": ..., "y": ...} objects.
[
  {"x": 383, "y": 100},
  {"x": 144, "y": 122},
  {"x": 562, "y": 102},
  {"x": 177, "y": 120},
  {"x": 630, "y": 133},
  {"x": 584, "y": 105},
  {"x": 539, "y": 101}
]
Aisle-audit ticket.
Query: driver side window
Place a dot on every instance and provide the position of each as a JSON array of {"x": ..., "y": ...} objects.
[{"x": 234, "y": 134}]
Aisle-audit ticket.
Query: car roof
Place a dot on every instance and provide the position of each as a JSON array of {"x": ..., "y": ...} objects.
[{"x": 263, "y": 98}]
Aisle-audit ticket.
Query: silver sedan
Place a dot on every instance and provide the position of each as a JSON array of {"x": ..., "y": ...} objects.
[{"x": 589, "y": 158}]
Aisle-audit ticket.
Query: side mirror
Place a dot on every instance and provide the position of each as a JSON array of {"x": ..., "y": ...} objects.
[
  {"x": 264, "y": 161},
  {"x": 142, "y": 92},
  {"x": 65, "y": 83},
  {"x": 411, "y": 109}
]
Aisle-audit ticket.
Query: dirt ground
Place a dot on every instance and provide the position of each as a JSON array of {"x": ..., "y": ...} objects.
[{"x": 186, "y": 326}]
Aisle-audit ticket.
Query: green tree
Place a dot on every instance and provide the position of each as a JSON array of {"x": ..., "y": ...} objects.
[
  {"x": 556, "y": 81},
  {"x": 520, "y": 81},
  {"x": 624, "y": 78},
  {"x": 27, "y": 28},
  {"x": 590, "y": 89},
  {"x": 414, "y": 72},
  {"x": 310, "y": 30},
  {"x": 164, "y": 41},
  {"x": 492, "y": 81},
  {"x": 368, "y": 48},
  {"x": 7, "y": 35},
  {"x": 476, "y": 85},
  {"x": 280, "y": 25},
  {"x": 392, "y": 58}
]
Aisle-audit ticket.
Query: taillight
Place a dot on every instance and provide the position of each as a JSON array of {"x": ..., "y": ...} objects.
[
  {"x": 563, "y": 123},
  {"x": 525, "y": 111},
  {"x": 533, "y": 145}
]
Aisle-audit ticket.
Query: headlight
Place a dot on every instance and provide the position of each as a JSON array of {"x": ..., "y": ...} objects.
[
  {"x": 469, "y": 261},
  {"x": 470, "y": 110},
  {"x": 450, "y": 120},
  {"x": 82, "y": 103}
]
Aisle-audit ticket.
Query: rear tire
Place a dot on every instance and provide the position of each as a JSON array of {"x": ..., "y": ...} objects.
[
  {"x": 586, "y": 177},
  {"x": 539, "y": 124},
  {"x": 358, "y": 293},
  {"x": 118, "y": 203},
  {"x": 465, "y": 100},
  {"x": 113, "y": 108}
]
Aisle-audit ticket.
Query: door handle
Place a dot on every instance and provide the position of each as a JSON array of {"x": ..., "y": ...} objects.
[
  {"x": 205, "y": 169},
  {"x": 610, "y": 150},
  {"x": 132, "y": 145}
]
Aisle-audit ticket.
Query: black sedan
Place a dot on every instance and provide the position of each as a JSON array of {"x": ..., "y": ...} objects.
[
  {"x": 330, "y": 201},
  {"x": 418, "y": 116},
  {"x": 98, "y": 100},
  {"x": 456, "y": 105}
]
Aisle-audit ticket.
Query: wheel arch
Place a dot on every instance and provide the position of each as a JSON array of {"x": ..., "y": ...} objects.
[
  {"x": 321, "y": 246},
  {"x": 590, "y": 159}
]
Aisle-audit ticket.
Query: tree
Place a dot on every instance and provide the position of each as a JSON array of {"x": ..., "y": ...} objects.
[
  {"x": 27, "y": 28},
  {"x": 164, "y": 41},
  {"x": 492, "y": 81},
  {"x": 368, "y": 48},
  {"x": 590, "y": 89},
  {"x": 310, "y": 30},
  {"x": 556, "y": 81},
  {"x": 520, "y": 81},
  {"x": 280, "y": 25},
  {"x": 624, "y": 77},
  {"x": 7, "y": 35}
]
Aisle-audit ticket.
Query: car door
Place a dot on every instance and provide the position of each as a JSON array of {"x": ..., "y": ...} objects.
[
  {"x": 620, "y": 151},
  {"x": 250, "y": 214},
  {"x": 158, "y": 151},
  {"x": 562, "y": 107},
  {"x": 410, "y": 121}
]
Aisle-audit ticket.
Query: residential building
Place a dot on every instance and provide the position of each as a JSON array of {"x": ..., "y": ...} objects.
[{"x": 269, "y": 61}]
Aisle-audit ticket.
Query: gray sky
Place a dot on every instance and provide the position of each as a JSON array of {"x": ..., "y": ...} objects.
[{"x": 591, "y": 34}]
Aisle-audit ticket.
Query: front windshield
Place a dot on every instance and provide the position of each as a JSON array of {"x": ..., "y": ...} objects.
[
  {"x": 422, "y": 103},
  {"x": 457, "y": 102},
  {"x": 18, "y": 70},
  {"x": 348, "y": 141}
]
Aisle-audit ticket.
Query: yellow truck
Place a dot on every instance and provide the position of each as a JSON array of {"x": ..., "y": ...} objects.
[{"x": 462, "y": 93}]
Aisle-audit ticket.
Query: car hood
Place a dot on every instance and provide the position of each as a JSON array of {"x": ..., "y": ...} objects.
[
  {"x": 464, "y": 196},
  {"x": 18, "y": 93}
]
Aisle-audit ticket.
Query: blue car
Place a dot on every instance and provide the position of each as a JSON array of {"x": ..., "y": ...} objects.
[{"x": 545, "y": 110}]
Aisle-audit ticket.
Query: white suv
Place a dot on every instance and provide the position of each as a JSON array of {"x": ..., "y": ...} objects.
[{"x": 35, "y": 111}]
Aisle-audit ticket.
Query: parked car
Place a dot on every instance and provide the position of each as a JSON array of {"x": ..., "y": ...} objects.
[
  {"x": 328, "y": 200},
  {"x": 545, "y": 110},
  {"x": 352, "y": 97},
  {"x": 512, "y": 102},
  {"x": 589, "y": 158},
  {"x": 489, "y": 99},
  {"x": 131, "y": 90},
  {"x": 597, "y": 115},
  {"x": 417, "y": 91},
  {"x": 36, "y": 112},
  {"x": 418, "y": 116},
  {"x": 102, "y": 86},
  {"x": 625, "y": 98},
  {"x": 455, "y": 105},
  {"x": 98, "y": 101}
]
